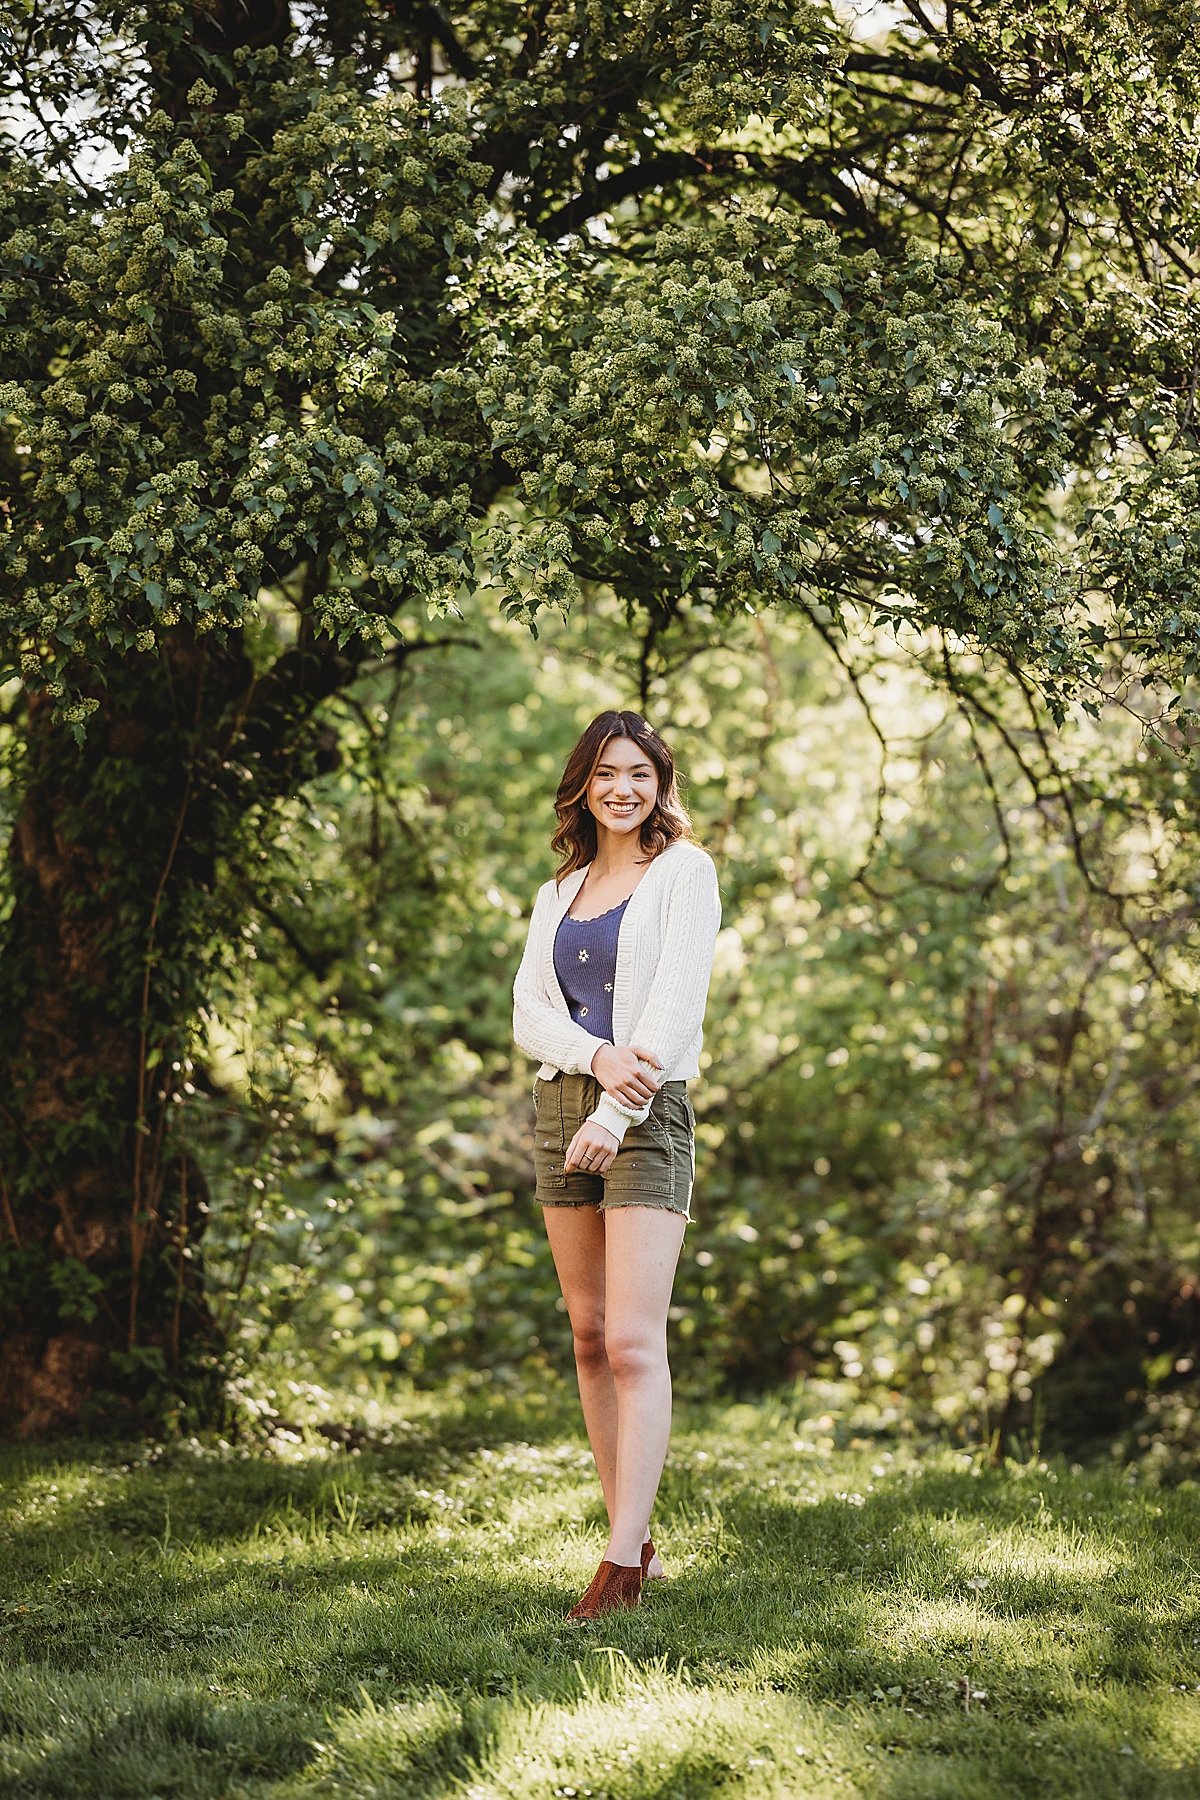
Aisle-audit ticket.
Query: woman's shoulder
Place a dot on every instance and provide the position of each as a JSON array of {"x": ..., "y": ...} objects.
[{"x": 688, "y": 860}]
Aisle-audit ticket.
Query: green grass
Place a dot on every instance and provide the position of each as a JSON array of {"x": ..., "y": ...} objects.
[{"x": 860, "y": 1618}]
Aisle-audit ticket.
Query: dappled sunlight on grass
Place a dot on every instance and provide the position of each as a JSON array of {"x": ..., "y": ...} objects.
[
  {"x": 864, "y": 1618},
  {"x": 652, "y": 1730},
  {"x": 408, "y": 1746}
]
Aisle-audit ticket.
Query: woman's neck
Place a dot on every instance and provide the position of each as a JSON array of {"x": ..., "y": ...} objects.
[{"x": 610, "y": 867}]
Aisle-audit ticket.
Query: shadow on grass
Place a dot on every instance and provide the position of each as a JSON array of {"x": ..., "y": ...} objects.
[
  {"x": 951, "y": 1634},
  {"x": 176, "y": 1492}
]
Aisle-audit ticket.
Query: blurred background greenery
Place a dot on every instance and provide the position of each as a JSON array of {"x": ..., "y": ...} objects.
[{"x": 947, "y": 1116}]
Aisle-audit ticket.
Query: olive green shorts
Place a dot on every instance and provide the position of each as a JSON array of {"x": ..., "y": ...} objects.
[{"x": 654, "y": 1166}]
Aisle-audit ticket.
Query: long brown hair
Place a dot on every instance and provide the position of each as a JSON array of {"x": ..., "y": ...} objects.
[{"x": 575, "y": 838}]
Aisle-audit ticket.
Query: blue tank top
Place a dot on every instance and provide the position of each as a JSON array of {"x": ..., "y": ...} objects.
[{"x": 585, "y": 961}]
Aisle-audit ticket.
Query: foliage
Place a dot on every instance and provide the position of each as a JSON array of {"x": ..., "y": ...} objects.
[
  {"x": 892, "y": 424},
  {"x": 827, "y": 335},
  {"x": 210, "y": 424},
  {"x": 933, "y": 1159}
]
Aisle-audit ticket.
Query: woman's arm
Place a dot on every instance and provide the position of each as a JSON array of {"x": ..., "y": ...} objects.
[
  {"x": 674, "y": 1007},
  {"x": 539, "y": 1028}
]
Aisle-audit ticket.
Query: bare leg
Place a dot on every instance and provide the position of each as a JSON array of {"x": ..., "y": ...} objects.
[
  {"x": 577, "y": 1241},
  {"x": 576, "y": 1236},
  {"x": 642, "y": 1245}
]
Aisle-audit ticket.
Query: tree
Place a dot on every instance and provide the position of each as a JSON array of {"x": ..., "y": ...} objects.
[{"x": 316, "y": 321}]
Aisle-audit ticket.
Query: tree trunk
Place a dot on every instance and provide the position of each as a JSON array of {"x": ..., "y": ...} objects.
[
  {"x": 112, "y": 863},
  {"x": 104, "y": 967}
]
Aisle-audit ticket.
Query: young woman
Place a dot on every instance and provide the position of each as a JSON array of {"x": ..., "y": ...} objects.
[{"x": 610, "y": 997}]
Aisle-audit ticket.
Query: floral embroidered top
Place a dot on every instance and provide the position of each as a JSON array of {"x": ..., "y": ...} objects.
[{"x": 585, "y": 961}]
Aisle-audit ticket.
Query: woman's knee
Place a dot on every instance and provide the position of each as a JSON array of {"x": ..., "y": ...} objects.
[
  {"x": 588, "y": 1335},
  {"x": 634, "y": 1354}
]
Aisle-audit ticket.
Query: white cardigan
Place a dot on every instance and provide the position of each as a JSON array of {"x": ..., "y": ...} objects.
[{"x": 664, "y": 963}]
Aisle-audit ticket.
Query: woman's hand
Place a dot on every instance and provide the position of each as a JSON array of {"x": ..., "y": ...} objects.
[
  {"x": 591, "y": 1149},
  {"x": 620, "y": 1070}
]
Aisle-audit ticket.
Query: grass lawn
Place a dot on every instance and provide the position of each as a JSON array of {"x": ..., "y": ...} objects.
[{"x": 843, "y": 1618}]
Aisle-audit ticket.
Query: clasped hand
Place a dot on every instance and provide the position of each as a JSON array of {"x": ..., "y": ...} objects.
[{"x": 621, "y": 1072}]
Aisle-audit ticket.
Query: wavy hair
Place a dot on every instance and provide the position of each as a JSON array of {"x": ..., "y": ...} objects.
[{"x": 575, "y": 839}]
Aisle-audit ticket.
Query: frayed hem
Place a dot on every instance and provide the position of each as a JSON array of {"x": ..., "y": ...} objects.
[{"x": 651, "y": 1205}]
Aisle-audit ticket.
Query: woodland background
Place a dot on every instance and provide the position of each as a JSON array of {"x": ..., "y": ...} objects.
[
  {"x": 387, "y": 388},
  {"x": 946, "y": 1135}
]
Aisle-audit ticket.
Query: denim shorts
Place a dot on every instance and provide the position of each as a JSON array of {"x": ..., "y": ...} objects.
[{"x": 655, "y": 1164}]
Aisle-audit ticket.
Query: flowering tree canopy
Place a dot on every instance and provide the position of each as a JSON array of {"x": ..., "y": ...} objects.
[{"x": 740, "y": 304}]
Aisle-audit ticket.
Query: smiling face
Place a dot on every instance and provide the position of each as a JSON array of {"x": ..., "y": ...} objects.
[{"x": 623, "y": 788}]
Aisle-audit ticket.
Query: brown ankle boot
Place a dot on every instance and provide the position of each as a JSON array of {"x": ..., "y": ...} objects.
[
  {"x": 613, "y": 1585},
  {"x": 648, "y": 1555}
]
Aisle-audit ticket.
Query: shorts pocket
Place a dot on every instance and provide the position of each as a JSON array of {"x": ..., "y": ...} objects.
[
  {"x": 645, "y": 1163},
  {"x": 548, "y": 1171}
]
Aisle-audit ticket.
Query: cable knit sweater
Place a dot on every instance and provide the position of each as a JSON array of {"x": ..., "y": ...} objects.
[{"x": 664, "y": 964}]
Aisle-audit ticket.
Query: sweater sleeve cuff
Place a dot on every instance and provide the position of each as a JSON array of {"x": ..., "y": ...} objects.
[
  {"x": 607, "y": 1113},
  {"x": 588, "y": 1051}
]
